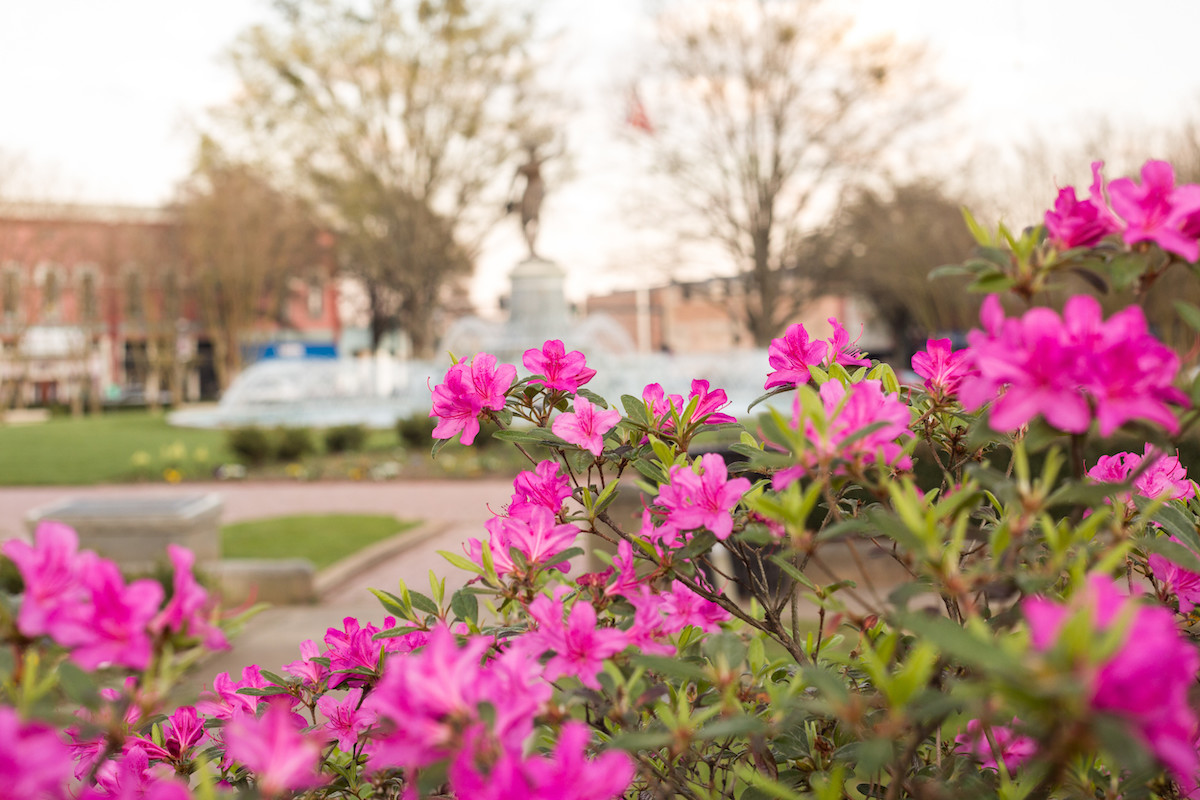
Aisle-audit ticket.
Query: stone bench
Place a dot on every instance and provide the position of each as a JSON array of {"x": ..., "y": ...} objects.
[{"x": 135, "y": 531}]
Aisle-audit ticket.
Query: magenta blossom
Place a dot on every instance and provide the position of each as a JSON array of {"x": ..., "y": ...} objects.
[
  {"x": 586, "y": 426},
  {"x": 848, "y": 411},
  {"x": 701, "y": 500},
  {"x": 1158, "y": 211},
  {"x": 1183, "y": 583},
  {"x": 182, "y": 731},
  {"x": 467, "y": 391},
  {"x": 1081, "y": 223},
  {"x": 534, "y": 531},
  {"x": 34, "y": 761},
  {"x": 52, "y": 570},
  {"x": 942, "y": 367},
  {"x": 560, "y": 370},
  {"x": 579, "y": 646},
  {"x": 224, "y": 699},
  {"x": 273, "y": 747},
  {"x": 791, "y": 355},
  {"x": 189, "y": 611},
  {"x": 345, "y": 720},
  {"x": 1165, "y": 477},
  {"x": 1146, "y": 680},
  {"x": 114, "y": 631},
  {"x": 307, "y": 668},
  {"x": 1011, "y": 748},
  {"x": 840, "y": 350},
  {"x": 543, "y": 487},
  {"x": 568, "y": 774},
  {"x": 1071, "y": 369}
]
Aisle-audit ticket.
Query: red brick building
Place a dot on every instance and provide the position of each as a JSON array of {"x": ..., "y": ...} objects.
[{"x": 96, "y": 303}]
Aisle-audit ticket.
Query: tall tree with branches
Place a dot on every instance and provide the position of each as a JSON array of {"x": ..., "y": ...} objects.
[
  {"x": 398, "y": 116},
  {"x": 242, "y": 239},
  {"x": 766, "y": 111}
]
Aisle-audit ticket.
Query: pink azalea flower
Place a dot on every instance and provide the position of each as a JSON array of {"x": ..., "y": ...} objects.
[
  {"x": 34, "y": 761},
  {"x": 467, "y": 390},
  {"x": 345, "y": 720},
  {"x": 533, "y": 532},
  {"x": 1146, "y": 681},
  {"x": 425, "y": 699},
  {"x": 182, "y": 731},
  {"x": 1063, "y": 368},
  {"x": 224, "y": 700},
  {"x": 942, "y": 368},
  {"x": 53, "y": 573},
  {"x": 189, "y": 610},
  {"x": 306, "y": 668},
  {"x": 114, "y": 631},
  {"x": 1183, "y": 583},
  {"x": 849, "y": 410},
  {"x": 1165, "y": 477},
  {"x": 702, "y": 500},
  {"x": 579, "y": 646},
  {"x": 1157, "y": 211},
  {"x": 561, "y": 371},
  {"x": 353, "y": 647},
  {"x": 791, "y": 355},
  {"x": 840, "y": 350},
  {"x": 1011, "y": 748},
  {"x": 568, "y": 774},
  {"x": 586, "y": 426},
  {"x": 1081, "y": 223},
  {"x": 131, "y": 776},
  {"x": 543, "y": 487},
  {"x": 683, "y": 607},
  {"x": 273, "y": 747},
  {"x": 627, "y": 578},
  {"x": 710, "y": 403}
]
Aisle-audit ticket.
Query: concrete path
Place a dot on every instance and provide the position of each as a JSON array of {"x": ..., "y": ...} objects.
[{"x": 459, "y": 508}]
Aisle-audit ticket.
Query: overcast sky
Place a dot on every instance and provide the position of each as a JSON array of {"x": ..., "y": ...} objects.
[{"x": 101, "y": 97}]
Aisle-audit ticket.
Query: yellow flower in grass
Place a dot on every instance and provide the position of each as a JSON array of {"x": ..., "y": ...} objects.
[{"x": 172, "y": 475}]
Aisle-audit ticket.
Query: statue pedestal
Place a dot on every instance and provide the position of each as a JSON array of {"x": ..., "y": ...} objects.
[{"x": 538, "y": 306}]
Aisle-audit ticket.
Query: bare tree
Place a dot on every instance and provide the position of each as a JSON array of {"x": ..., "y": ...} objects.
[
  {"x": 883, "y": 245},
  {"x": 399, "y": 116},
  {"x": 768, "y": 111},
  {"x": 242, "y": 239}
]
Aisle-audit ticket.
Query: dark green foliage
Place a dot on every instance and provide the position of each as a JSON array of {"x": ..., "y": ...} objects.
[
  {"x": 416, "y": 431},
  {"x": 345, "y": 439},
  {"x": 292, "y": 444},
  {"x": 250, "y": 444}
]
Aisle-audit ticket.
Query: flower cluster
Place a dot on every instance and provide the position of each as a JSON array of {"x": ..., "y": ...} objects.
[
  {"x": 531, "y": 525},
  {"x": 1071, "y": 369},
  {"x": 1145, "y": 679},
  {"x": 792, "y": 354},
  {"x": 82, "y": 602},
  {"x": 1155, "y": 211},
  {"x": 468, "y": 390}
]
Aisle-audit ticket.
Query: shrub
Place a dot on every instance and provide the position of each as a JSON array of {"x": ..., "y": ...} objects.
[
  {"x": 415, "y": 431},
  {"x": 251, "y": 444},
  {"x": 1010, "y": 655},
  {"x": 345, "y": 438},
  {"x": 293, "y": 444}
]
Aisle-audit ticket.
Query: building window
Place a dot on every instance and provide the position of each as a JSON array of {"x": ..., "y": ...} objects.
[
  {"x": 89, "y": 299},
  {"x": 12, "y": 293},
  {"x": 135, "y": 305},
  {"x": 316, "y": 300},
  {"x": 51, "y": 293}
]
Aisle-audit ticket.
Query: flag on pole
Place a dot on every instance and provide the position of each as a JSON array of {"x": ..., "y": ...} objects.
[{"x": 635, "y": 113}]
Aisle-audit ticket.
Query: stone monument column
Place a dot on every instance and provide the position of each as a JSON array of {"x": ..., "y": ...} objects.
[{"x": 538, "y": 305}]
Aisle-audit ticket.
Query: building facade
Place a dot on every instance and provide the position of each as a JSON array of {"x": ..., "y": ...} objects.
[{"x": 97, "y": 305}]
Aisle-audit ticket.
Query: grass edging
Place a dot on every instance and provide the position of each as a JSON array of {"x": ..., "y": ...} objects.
[{"x": 342, "y": 572}]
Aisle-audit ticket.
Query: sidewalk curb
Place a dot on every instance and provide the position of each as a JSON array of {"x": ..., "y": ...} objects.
[{"x": 338, "y": 575}]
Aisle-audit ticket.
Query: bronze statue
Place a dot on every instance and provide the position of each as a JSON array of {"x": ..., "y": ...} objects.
[{"x": 530, "y": 203}]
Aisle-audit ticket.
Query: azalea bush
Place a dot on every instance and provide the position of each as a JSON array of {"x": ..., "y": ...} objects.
[{"x": 799, "y": 616}]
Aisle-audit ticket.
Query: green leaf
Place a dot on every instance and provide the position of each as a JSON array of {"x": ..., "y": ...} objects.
[
  {"x": 671, "y": 667},
  {"x": 460, "y": 561},
  {"x": 1189, "y": 313},
  {"x": 78, "y": 686},
  {"x": 392, "y": 604},
  {"x": 592, "y": 397},
  {"x": 992, "y": 282},
  {"x": 465, "y": 605},
  {"x": 1172, "y": 551},
  {"x": 641, "y": 740},
  {"x": 423, "y": 603},
  {"x": 731, "y": 726}
]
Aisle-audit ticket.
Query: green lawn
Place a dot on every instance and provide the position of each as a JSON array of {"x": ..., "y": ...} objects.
[
  {"x": 106, "y": 448},
  {"x": 324, "y": 540}
]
